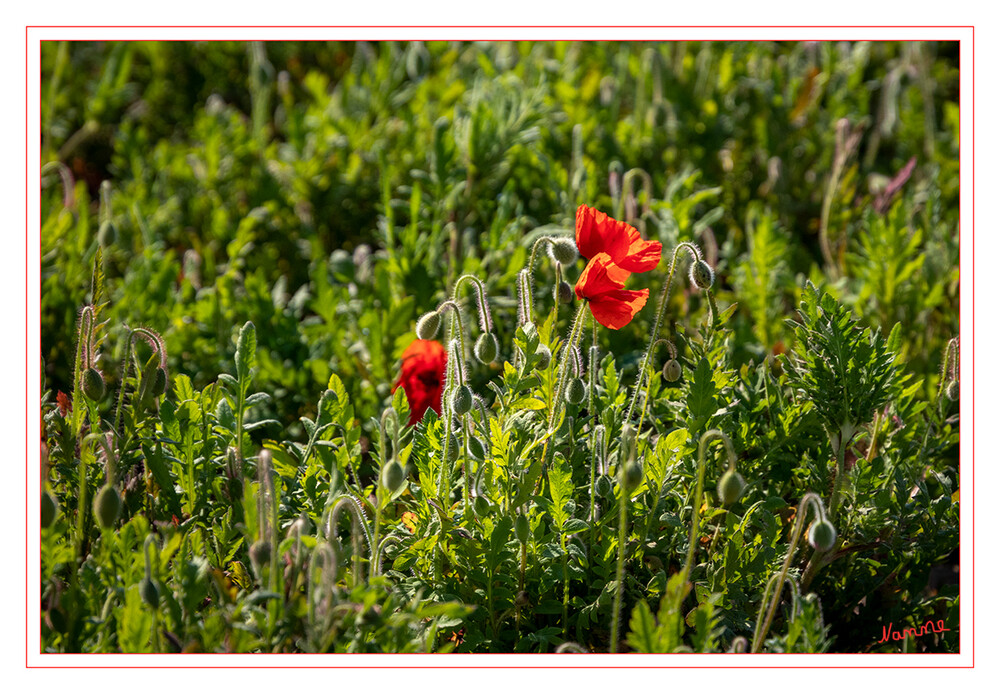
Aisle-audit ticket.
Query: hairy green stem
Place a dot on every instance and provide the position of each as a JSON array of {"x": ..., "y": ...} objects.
[
  {"x": 699, "y": 488},
  {"x": 619, "y": 571},
  {"x": 797, "y": 529},
  {"x": 657, "y": 321}
]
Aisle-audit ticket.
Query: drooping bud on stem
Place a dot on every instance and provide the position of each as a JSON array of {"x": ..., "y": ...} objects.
[
  {"x": 428, "y": 325},
  {"x": 702, "y": 276},
  {"x": 487, "y": 348},
  {"x": 563, "y": 250}
]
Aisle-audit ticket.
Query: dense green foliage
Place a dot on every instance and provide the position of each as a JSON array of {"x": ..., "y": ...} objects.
[{"x": 278, "y": 216}]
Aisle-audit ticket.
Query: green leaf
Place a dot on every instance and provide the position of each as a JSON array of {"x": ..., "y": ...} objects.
[
  {"x": 644, "y": 634},
  {"x": 701, "y": 398}
]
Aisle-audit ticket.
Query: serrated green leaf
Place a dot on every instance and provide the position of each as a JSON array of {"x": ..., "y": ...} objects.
[{"x": 644, "y": 635}]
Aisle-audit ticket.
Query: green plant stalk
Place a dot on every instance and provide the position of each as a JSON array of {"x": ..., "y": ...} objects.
[
  {"x": 453, "y": 379},
  {"x": 699, "y": 489},
  {"x": 619, "y": 570},
  {"x": 575, "y": 333},
  {"x": 520, "y": 587},
  {"x": 797, "y": 529},
  {"x": 818, "y": 558},
  {"x": 86, "y": 319},
  {"x": 591, "y": 387},
  {"x": 81, "y": 508},
  {"x": 156, "y": 631},
  {"x": 841, "y": 445},
  {"x": 763, "y": 602},
  {"x": 565, "y": 577},
  {"x": 657, "y": 322}
]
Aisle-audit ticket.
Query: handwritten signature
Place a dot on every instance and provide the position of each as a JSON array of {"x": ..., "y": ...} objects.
[{"x": 930, "y": 626}]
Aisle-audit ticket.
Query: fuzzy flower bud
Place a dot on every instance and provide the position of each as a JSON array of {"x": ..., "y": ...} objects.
[
  {"x": 392, "y": 476},
  {"x": 702, "y": 276},
  {"x": 565, "y": 292},
  {"x": 631, "y": 475},
  {"x": 428, "y": 325},
  {"x": 461, "y": 400},
  {"x": 487, "y": 348},
  {"x": 952, "y": 391},
  {"x": 822, "y": 535},
  {"x": 575, "y": 391},
  {"x": 522, "y": 528},
  {"x": 563, "y": 251},
  {"x": 107, "y": 506},
  {"x": 731, "y": 487},
  {"x": 672, "y": 370},
  {"x": 544, "y": 355},
  {"x": 93, "y": 384},
  {"x": 260, "y": 553},
  {"x": 149, "y": 593}
]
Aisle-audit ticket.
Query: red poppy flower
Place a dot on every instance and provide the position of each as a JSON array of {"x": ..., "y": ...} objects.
[
  {"x": 422, "y": 377},
  {"x": 602, "y": 284},
  {"x": 596, "y": 233}
]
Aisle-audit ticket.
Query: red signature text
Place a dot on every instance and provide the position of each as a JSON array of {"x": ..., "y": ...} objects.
[{"x": 930, "y": 626}]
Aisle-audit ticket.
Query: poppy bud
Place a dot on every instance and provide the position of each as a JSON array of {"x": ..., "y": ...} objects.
[
  {"x": 482, "y": 505},
  {"x": 487, "y": 348},
  {"x": 672, "y": 370},
  {"x": 477, "y": 448},
  {"x": 575, "y": 391},
  {"x": 822, "y": 535},
  {"x": 453, "y": 449},
  {"x": 149, "y": 593},
  {"x": 461, "y": 400},
  {"x": 544, "y": 356},
  {"x": 702, "y": 276},
  {"x": 260, "y": 553},
  {"x": 603, "y": 486},
  {"x": 107, "y": 234},
  {"x": 952, "y": 391},
  {"x": 428, "y": 325},
  {"x": 522, "y": 599},
  {"x": 392, "y": 476},
  {"x": 730, "y": 487},
  {"x": 49, "y": 509},
  {"x": 522, "y": 528},
  {"x": 631, "y": 475},
  {"x": 107, "y": 506},
  {"x": 563, "y": 251},
  {"x": 159, "y": 382},
  {"x": 93, "y": 384},
  {"x": 565, "y": 292}
]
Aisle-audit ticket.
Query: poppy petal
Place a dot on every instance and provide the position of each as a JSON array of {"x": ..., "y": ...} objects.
[
  {"x": 642, "y": 256},
  {"x": 600, "y": 276},
  {"x": 598, "y": 233},
  {"x": 617, "y": 307},
  {"x": 422, "y": 377}
]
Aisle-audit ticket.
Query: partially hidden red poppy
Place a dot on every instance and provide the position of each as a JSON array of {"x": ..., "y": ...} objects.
[
  {"x": 422, "y": 377},
  {"x": 596, "y": 233},
  {"x": 602, "y": 285}
]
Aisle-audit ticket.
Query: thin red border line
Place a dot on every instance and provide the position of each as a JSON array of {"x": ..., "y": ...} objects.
[
  {"x": 26, "y": 392},
  {"x": 972, "y": 329},
  {"x": 497, "y": 26},
  {"x": 972, "y": 432}
]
